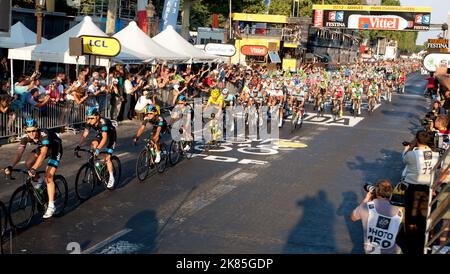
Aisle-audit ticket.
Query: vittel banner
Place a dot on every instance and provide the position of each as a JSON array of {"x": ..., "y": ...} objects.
[{"x": 372, "y": 17}]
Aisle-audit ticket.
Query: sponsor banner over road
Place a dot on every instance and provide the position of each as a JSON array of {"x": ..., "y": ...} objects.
[{"x": 372, "y": 17}]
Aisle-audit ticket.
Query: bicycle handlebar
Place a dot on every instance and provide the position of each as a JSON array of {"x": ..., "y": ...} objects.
[
  {"x": 21, "y": 170},
  {"x": 90, "y": 151}
]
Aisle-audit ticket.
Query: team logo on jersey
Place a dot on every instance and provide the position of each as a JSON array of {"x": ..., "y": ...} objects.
[
  {"x": 383, "y": 222},
  {"x": 427, "y": 155}
]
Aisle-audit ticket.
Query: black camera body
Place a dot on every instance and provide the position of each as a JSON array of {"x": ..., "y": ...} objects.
[{"x": 369, "y": 188}]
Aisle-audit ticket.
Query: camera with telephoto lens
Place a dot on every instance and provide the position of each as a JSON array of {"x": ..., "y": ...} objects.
[{"x": 369, "y": 188}]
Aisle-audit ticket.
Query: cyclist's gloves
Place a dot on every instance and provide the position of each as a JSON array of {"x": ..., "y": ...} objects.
[
  {"x": 9, "y": 169},
  {"x": 97, "y": 152},
  {"x": 32, "y": 172}
]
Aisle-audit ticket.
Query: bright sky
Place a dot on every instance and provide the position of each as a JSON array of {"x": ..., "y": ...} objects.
[{"x": 440, "y": 9}]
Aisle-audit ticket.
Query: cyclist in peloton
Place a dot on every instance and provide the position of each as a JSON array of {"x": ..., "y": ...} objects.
[
  {"x": 159, "y": 124},
  {"x": 183, "y": 113},
  {"x": 49, "y": 145},
  {"x": 105, "y": 139}
]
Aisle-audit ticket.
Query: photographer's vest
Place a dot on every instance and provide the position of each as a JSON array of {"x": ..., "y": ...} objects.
[{"x": 381, "y": 230}]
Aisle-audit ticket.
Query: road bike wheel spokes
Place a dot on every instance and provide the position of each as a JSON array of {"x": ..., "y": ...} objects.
[
  {"x": 61, "y": 194},
  {"x": 174, "y": 152},
  {"x": 85, "y": 182},
  {"x": 117, "y": 170},
  {"x": 21, "y": 208},
  {"x": 164, "y": 158},
  {"x": 143, "y": 165}
]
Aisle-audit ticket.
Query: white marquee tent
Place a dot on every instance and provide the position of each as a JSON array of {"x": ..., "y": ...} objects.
[
  {"x": 133, "y": 38},
  {"x": 57, "y": 49},
  {"x": 20, "y": 36},
  {"x": 171, "y": 40}
]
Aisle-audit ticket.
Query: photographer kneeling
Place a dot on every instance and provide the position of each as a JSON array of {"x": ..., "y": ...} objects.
[
  {"x": 420, "y": 161},
  {"x": 381, "y": 220}
]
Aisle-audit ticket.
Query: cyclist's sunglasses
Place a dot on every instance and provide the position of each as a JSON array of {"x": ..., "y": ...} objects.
[
  {"x": 90, "y": 118},
  {"x": 31, "y": 130}
]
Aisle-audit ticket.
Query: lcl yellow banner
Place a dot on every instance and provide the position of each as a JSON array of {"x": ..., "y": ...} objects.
[{"x": 103, "y": 46}]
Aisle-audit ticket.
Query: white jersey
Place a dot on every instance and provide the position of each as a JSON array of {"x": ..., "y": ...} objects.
[{"x": 381, "y": 230}]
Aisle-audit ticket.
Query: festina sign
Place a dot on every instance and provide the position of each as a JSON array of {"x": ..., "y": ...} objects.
[
  {"x": 372, "y": 17},
  {"x": 437, "y": 43}
]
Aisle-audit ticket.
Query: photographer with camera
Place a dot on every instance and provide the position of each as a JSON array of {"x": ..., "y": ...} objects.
[
  {"x": 419, "y": 162},
  {"x": 381, "y": 220}
]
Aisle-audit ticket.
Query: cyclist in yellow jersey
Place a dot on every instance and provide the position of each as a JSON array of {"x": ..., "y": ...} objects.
[{"x": 215, "y": 100}]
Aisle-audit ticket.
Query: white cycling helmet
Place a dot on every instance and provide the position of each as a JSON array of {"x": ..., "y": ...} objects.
[{"x": 225, "y": 91}]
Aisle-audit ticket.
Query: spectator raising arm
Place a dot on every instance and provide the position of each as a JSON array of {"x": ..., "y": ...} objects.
[{"x": 442, "y": 76}]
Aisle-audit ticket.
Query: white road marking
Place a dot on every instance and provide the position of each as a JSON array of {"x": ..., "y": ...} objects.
[
  {"x": 122, "y": 154},
  {"x": 107, "y": 241},
  {"x": 230, "y": 173}
]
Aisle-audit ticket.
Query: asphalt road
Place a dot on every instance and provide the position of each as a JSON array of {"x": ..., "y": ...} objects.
[{"x": 288, "y": 200}]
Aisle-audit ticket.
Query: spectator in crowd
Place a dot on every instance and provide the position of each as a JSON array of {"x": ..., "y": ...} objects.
[
  {"x": 116, "y": 98},
  {"x": 33, "y": 99},
  {"x": 378, "y": 215},
  {"x": 130, "y": 97},
  {"x": 419, "y": 161},
  {"x": 79, "y": 95},
  {"x": 4, "y": 68}
]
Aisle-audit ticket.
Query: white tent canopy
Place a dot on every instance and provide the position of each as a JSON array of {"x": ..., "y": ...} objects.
[
  {"x": 57, "y": 49},
  {"x": 21, "y": 36},
  {"x": 133, "y": 38},
  {"x": 171, "y": 40}
]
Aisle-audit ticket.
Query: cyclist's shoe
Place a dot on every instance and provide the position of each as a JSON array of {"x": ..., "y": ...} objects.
[
  {"x": 50, "y": 211},
  {"x": 186, "y": 147},
  {"x": 158, "y": 157},
  {"x": 110, "y": 182}
]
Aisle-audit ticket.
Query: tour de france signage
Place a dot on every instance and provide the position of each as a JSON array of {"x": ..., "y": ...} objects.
[
  {"x": 372, "y": 17},
  {"x": 254, "y": 50},
  {"x": 101, "y": 46}
]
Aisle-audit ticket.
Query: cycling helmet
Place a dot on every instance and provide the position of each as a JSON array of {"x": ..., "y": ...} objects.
[
  {"x": 181, "y": 98},
  {"x": 151, "y": 109},
  {"x": 215, "y": 93},
  {"x": 92, "y": 111},
  {"x": 225, "y": 91},
  {"x": 30, "y": 123}
]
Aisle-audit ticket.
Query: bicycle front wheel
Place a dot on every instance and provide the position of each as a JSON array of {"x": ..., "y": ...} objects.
[
  {"x": 164, "y": 158},
  {"x": 117, "y": 169},
  {"x": 190, "y": 152},
  {"x": 85, "y": 182},
  {"x": 61, "y": 194},
  {"x": 143, "y": 165},
  {"x": 21, "y": 208},
  {"x": 174, "y": 152}
]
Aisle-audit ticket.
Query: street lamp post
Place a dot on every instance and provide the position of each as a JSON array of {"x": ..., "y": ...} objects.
[
  {"x": 150, "y": 14},
  {"x": 40, "y": 4}
]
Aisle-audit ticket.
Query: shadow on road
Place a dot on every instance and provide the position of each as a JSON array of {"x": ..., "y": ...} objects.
[
  {"x": 314, "y": 233},
  {"x": 355, "y": 230},
  {"x": 140, "y": 235},
  {"x": 388, "y": 167}
]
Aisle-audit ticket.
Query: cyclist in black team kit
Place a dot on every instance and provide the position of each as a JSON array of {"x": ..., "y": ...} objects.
[
  {"x": 159, "y": 125},
  {"x": 105, "y": 139},
  {"x": 49, "y": 145}
]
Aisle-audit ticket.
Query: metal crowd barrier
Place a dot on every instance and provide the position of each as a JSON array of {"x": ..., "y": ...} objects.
[
  {"x": 67, "y": 115},
  {"x": 437, "y": 235}
]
